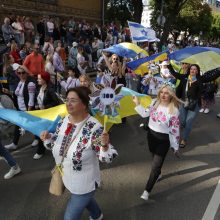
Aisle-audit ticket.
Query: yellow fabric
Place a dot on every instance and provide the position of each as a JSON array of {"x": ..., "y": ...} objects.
[{"x": 126, "y": 109}]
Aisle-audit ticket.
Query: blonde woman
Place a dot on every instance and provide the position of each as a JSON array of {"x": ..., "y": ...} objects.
[
  {"x": 164, "y": 130},
  {"x": 50, "y": 68}
]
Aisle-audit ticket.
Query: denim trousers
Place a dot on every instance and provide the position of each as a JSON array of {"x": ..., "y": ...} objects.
[
  {"x": 186, "y": 119},
  {"x": 4, "y": 153},
  {"x": 77, "y": 204}
]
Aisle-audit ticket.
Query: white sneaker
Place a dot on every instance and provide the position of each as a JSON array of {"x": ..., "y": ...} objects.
[
  {"x": 37, "y": 156},
  {"x": 145, "y": 195},
  {"x": 218, "y": 115},
  {"x": 11, "y": 146},
  {"x": 201, "y": 110},
  {"x": 100, "y": 218},
  {"x": 12, "y": 172},
  {"x": 159, "y": 177},
  {"x": 35, "y": 143},
  {"x": 206, "y": 111}
]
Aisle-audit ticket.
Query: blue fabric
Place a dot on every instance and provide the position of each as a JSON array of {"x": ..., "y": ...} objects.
[
  {"x": 4, "y": 153},
  {"x": 78, "y": 203},
  {"x": 121, "y": 51},
  {"x": 182, "y": 54},
  {"x": 186, "y": 119},
  {"x": 135, "y": 64},
  {"x": 28, "y": 122}
]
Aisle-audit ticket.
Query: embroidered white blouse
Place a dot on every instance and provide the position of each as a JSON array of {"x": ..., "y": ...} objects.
[
  {"x": 81, "y": 172},
  {"x": 161, "y": 121},
  {"x": 20, "y": 96},
  {"x": 70, "y": 83}
]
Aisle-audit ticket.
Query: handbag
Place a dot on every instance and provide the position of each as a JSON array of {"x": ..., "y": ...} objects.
[
  {"x": 191, "y": 104},
  {"x": 56, "y": 184}
]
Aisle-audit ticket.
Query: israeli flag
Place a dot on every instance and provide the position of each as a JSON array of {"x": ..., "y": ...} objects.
[{"x": 140, "y": 33}]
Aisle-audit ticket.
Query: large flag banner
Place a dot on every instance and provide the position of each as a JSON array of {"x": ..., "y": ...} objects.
[
  {"x": 139, "y": 33},
  {"x": 126, "y": 49}
]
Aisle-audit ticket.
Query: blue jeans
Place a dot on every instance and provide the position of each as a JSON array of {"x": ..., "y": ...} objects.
[
  {"x": 78, "y": 203},
  {"x": 186, "y": 119},
  {"x": 4, "y": 153}
]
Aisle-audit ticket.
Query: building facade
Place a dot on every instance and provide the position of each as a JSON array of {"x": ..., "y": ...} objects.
[{"x": 80, "y": 9}]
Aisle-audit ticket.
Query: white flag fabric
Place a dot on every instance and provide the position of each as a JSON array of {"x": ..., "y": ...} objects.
[{"x": 140, "y": 33}]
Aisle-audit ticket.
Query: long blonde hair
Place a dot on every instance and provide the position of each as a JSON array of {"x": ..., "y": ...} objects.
[{"x": 174, "y": 101}]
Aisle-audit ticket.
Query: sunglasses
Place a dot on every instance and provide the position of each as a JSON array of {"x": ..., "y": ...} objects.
[
  {"x": 184, "y": 63},
  {"x": 19, "y": 73}
]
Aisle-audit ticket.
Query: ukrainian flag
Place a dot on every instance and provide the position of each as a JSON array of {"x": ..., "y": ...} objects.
[
  {"x": 207, "y": 58},
  {"x": 47, "y": 119},
  {"x": 140, "y": 66},
  {"x": 125, "y": 49},
  {"x": 3, "y": 80}
]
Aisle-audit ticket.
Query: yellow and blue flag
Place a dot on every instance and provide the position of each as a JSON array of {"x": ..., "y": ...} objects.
[
  {"x": 140, "y": 66},
  {"x": 47, "y": 119},
  {"x": 207, "y": 58},
  {"x": 3, "y": 79},
  {"x": 126, "y": 49}
]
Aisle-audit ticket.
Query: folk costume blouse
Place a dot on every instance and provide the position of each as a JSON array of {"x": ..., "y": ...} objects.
[
  {"x": 81, "y": 172},
  {"x": 161, "y": 121}
]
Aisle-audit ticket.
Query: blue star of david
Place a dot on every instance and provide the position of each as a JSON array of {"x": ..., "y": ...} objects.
[{"x": 144, "y": 32}]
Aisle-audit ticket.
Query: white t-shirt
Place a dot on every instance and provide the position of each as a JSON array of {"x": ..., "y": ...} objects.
[{"x": 50, "y": 26}]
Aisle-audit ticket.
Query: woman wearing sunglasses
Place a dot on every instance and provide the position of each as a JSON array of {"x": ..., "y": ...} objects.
[
  {"x": 24, "y": 98},
  {"x": 117, "y": 69}
]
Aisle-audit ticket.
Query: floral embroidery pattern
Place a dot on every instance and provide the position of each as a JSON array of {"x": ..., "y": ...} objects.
[
  {"x": 172, "y": 122},
  {"x": 81, "y": 145},
  {"x": 67, "y": 138},
  {"x": 158, "y": 116},
  {"x": 174, "y": 125}
]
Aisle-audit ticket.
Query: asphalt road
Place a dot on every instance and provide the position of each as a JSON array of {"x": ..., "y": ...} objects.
[{"x": 184, "y": 192}]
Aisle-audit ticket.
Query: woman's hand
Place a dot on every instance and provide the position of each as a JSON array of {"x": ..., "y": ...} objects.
[
  {"x": 6, "y": 91},
  {"x": 136, "y": 100},
  {"x": 45, "y": 135},
  {"x": 176, "y": 153},
  {"x": 105, "y": 141}
]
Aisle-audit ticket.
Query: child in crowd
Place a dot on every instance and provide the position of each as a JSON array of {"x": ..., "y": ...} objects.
[{"x": 72, "y": 80}]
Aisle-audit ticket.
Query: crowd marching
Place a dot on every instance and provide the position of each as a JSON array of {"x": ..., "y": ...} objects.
[{"x": 50, "y": 60}]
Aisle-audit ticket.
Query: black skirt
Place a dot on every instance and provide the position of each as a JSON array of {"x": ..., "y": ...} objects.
[{"x": 158, "y": 143}]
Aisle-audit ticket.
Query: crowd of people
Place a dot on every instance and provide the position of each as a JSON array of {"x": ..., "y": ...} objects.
[{"x": 50, "y": 60}]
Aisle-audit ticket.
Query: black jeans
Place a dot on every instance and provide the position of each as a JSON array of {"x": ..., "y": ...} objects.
[
  {"x": 155, "y": 171},
  {"x": 40, "y": 148},
  {"x": 16, "y": 135}
]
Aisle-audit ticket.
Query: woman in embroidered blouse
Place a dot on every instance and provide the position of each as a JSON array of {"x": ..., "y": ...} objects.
[
  {"x": 81, "y": 172},
  {"x": 163, "y": 131},
  {"x": 24, "y": 97}
]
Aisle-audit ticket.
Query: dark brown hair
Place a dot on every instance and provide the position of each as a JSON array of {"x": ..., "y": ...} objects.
[{"x": 83, "y": 94}]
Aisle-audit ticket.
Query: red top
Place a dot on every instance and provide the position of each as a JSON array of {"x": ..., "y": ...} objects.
[
  {"x": 34, "y": 63},
  {"x": 16, "y": 56}
]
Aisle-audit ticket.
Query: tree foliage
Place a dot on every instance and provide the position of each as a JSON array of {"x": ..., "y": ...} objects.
[
  {"x": 191, "y": 16},
  {"x": 215, "y": 29},
  {"x": 123, "y": 10}
]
